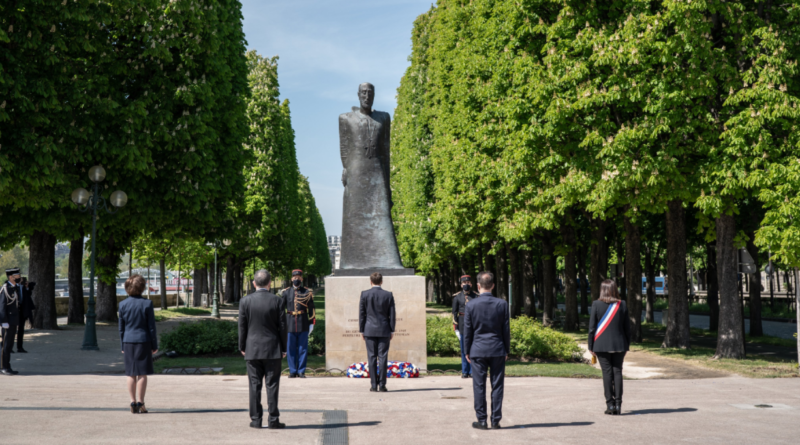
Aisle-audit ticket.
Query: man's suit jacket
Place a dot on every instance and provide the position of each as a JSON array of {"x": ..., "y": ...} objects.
[
  {"x": 376, "y": 314},
  {"x": 137, "y": 322},
  {"x": 262, "y": 326},
  {"x": 487, "y": 327}
]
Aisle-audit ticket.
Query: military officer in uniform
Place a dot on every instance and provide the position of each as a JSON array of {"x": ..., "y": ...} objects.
[
  {"x": 9, "y": 316},
  {"x": 300, "y": 321},
  {"x": 460, "y": 301}
]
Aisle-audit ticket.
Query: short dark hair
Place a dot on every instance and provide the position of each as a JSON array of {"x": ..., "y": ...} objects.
[
  {"x": 135, "y": 285},
  {"x": 485, "y": 280},
  {"x": 608, "y": 292},
  {"x": 261, "y": 278},
  {"x": 376, "y": 278}
]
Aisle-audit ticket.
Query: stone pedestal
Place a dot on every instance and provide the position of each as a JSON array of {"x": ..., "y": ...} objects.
[{"x": 343, "y": 343}]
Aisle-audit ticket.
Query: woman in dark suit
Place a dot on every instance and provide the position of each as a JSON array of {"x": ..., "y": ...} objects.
[
  {"x": 137, "y": 333},
  {"x": 609, "y": 339}
]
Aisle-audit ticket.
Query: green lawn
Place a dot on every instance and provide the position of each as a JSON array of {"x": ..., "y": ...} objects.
[{"x": 165, "y": 314}]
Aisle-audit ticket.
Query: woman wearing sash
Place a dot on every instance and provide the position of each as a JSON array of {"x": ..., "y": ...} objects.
[{"x": 609, "y": 338}]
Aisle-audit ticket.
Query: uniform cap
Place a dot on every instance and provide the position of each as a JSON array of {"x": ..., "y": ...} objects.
[
  {"x": 297, "y": 272},
  {"x": 12, "y": 271},
  {"x": 465, "y": 278}
]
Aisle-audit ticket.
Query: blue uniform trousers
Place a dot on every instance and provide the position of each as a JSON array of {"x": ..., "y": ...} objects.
[
  {"x": 466, "y": 368},
  {"x": 297, "y": 352}
]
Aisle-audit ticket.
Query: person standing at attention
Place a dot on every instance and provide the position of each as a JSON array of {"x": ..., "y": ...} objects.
[
  {"x": 609, "y": 340},
  {"x": 376, "y": 322},
  {"x": 487, "y": 342},
  {"x": 10, "y": 294},
  {"x": 460, "y": 301},
  {"x": 138, "y": 338},
  {"x": 262, "y": 341},
  {"x": 300, "y": 320}
]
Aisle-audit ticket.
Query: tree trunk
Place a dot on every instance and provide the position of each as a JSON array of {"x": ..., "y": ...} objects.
[
  {"x": 515, "y": 277},
  {"x": 230, "y": 271},
  {"x": 677, "y": 335},
  {"x": 491, "y": 263},
  {"x": 196, "y": 280},
  {"x": 650, "y": 272},
  {"x": 597, "y": 269},
  {"x": 549, "y": 280},
  {"x": 76, "y": 311},
  {"x": 502, "y": 272},
  {"x": 237, "y": 289},
  {"x": 756, "y": 329},
  {"x": 429, "y": 288},
  {"x": 42, "y": 271},
  {"x": 633, "y": 278},
  {"x": 583, "y": 284},
  {"x": 730, "y": 337},
  {"x": 570, "y": 275},
  {"x": 528, "y": 279},
  {"x": 713, "y": 286},
  {"x": 162, "y": 281},
  {"x": 106, "y": 307}
]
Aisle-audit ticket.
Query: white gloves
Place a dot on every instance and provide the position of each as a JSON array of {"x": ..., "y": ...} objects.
[
  {"x": 5, "y": 325},
  {"x": 310, "y": 329},
  {"x": 458, "y": 334}
]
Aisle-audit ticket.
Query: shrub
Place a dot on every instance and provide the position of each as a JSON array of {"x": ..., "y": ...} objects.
[
  {"x": 316, "y": 341},
  {"x": 529, "y": 339},
  {"x": 203, "y": 337}
]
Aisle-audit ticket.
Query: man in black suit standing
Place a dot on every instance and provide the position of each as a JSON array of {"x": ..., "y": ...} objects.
[
  {"x": 487, "y": 343},
  {"x": 26, "y": 308},
  {"x": 376, "y": 322},
  {"x": 262, "y": 340}
]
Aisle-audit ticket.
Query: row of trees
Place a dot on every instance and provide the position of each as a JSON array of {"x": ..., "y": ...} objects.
[
  {"x": 529, "y": 130},
  {"x": 162, "y": 94}
]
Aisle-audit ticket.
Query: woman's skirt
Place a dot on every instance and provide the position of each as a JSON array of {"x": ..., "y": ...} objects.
[{"x": 138, "y": 359}]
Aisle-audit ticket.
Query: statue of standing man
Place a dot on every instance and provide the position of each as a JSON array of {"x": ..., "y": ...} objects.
[{"x": 368, "y": 240}]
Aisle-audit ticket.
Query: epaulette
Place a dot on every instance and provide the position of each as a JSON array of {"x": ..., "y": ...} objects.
[
  {"x": 456, "y": 293},
  {"x": 285, "y": 289}
]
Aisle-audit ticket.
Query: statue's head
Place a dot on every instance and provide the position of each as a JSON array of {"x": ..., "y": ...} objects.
[{"x": 366, "y": 95}]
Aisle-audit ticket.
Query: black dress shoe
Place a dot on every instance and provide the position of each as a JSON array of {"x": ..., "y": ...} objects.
[
  {"x": 291, "y": 376},
  {"x": 11, "y": 351},
  {"x": 618, "y": 408},
  {"x": 496, "y": 426},
  {"x": 302, "y": 376},
  {"x": 383, "y": 389},
  {"x": 22, "y": 350},
  {"x": 276, "y": 425},
  {"x": 480, "y": 425},
  {"x": 373, "y": 390},
  {"x": 255, "y": 424},
  {"x": 469, "y": 375},
  {"x": 464, "y": 376},
  {"x": 609, "y": 408},
  {"x": 6, "y": 372}
]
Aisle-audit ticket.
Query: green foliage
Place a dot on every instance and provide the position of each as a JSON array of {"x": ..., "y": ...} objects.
[
  {"x": 316, "y": 341},
  {"x": 529, "y": 339},
  {"x": 203, "y": 337}
]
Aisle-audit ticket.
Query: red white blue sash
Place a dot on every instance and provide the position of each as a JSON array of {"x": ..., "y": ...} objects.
[{"x": 606, "y": 320}]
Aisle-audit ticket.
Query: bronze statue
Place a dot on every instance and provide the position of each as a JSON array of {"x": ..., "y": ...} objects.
[{"x": 368, "y": 240}]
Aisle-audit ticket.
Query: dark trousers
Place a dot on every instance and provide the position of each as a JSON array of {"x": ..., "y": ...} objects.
[
  {"x": 20, "y": 332},
  {"x": 8, "y": 343},
  {"x": 611, "y": 364},
  {"x": 378, "y": 358},
  {"x": 258, "y": 371},
  {"x": 496, "y": 367}
]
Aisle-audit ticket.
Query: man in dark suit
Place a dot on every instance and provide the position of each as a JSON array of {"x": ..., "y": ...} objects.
[
  {"x": 26, "y": 308},
  {"x": 376, "y": 322},
  {"x": 262, "y": 340},
  {"x": 9, "y": 317},
  {"x": 487, "y": 342}
]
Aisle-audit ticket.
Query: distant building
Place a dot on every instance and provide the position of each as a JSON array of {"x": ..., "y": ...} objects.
[{"x": 335, "y": 249}]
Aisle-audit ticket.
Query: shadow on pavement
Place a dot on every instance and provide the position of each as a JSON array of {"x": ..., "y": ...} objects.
[
  {"x": 549, "y": 425},
  {"x": 331, "y": 425},
  {"x": 425, "y": 389},
  {"x": 660, "y": 411}
]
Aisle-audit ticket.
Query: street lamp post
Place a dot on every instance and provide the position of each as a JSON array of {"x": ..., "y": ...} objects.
[
  {"x": 215, "y": 302},
  {"x": 91, "y": 201}
]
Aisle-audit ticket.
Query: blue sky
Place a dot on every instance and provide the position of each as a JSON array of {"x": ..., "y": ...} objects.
[{"x": 326, "y": 49}]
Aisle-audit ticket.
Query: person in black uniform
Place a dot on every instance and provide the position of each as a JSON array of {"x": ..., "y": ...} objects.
[
  {"x": 487, "y": 342},
  {"x": 262, "y": 340},
  {"x": 9, "y": 317},
  {"x": 376, "y": 323},
  {"x": 300, "y": 319},
  {"x": 609, "y": 340},
  {"x": 460, "y": 301},
  {"x": 26, "y": 308}
]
